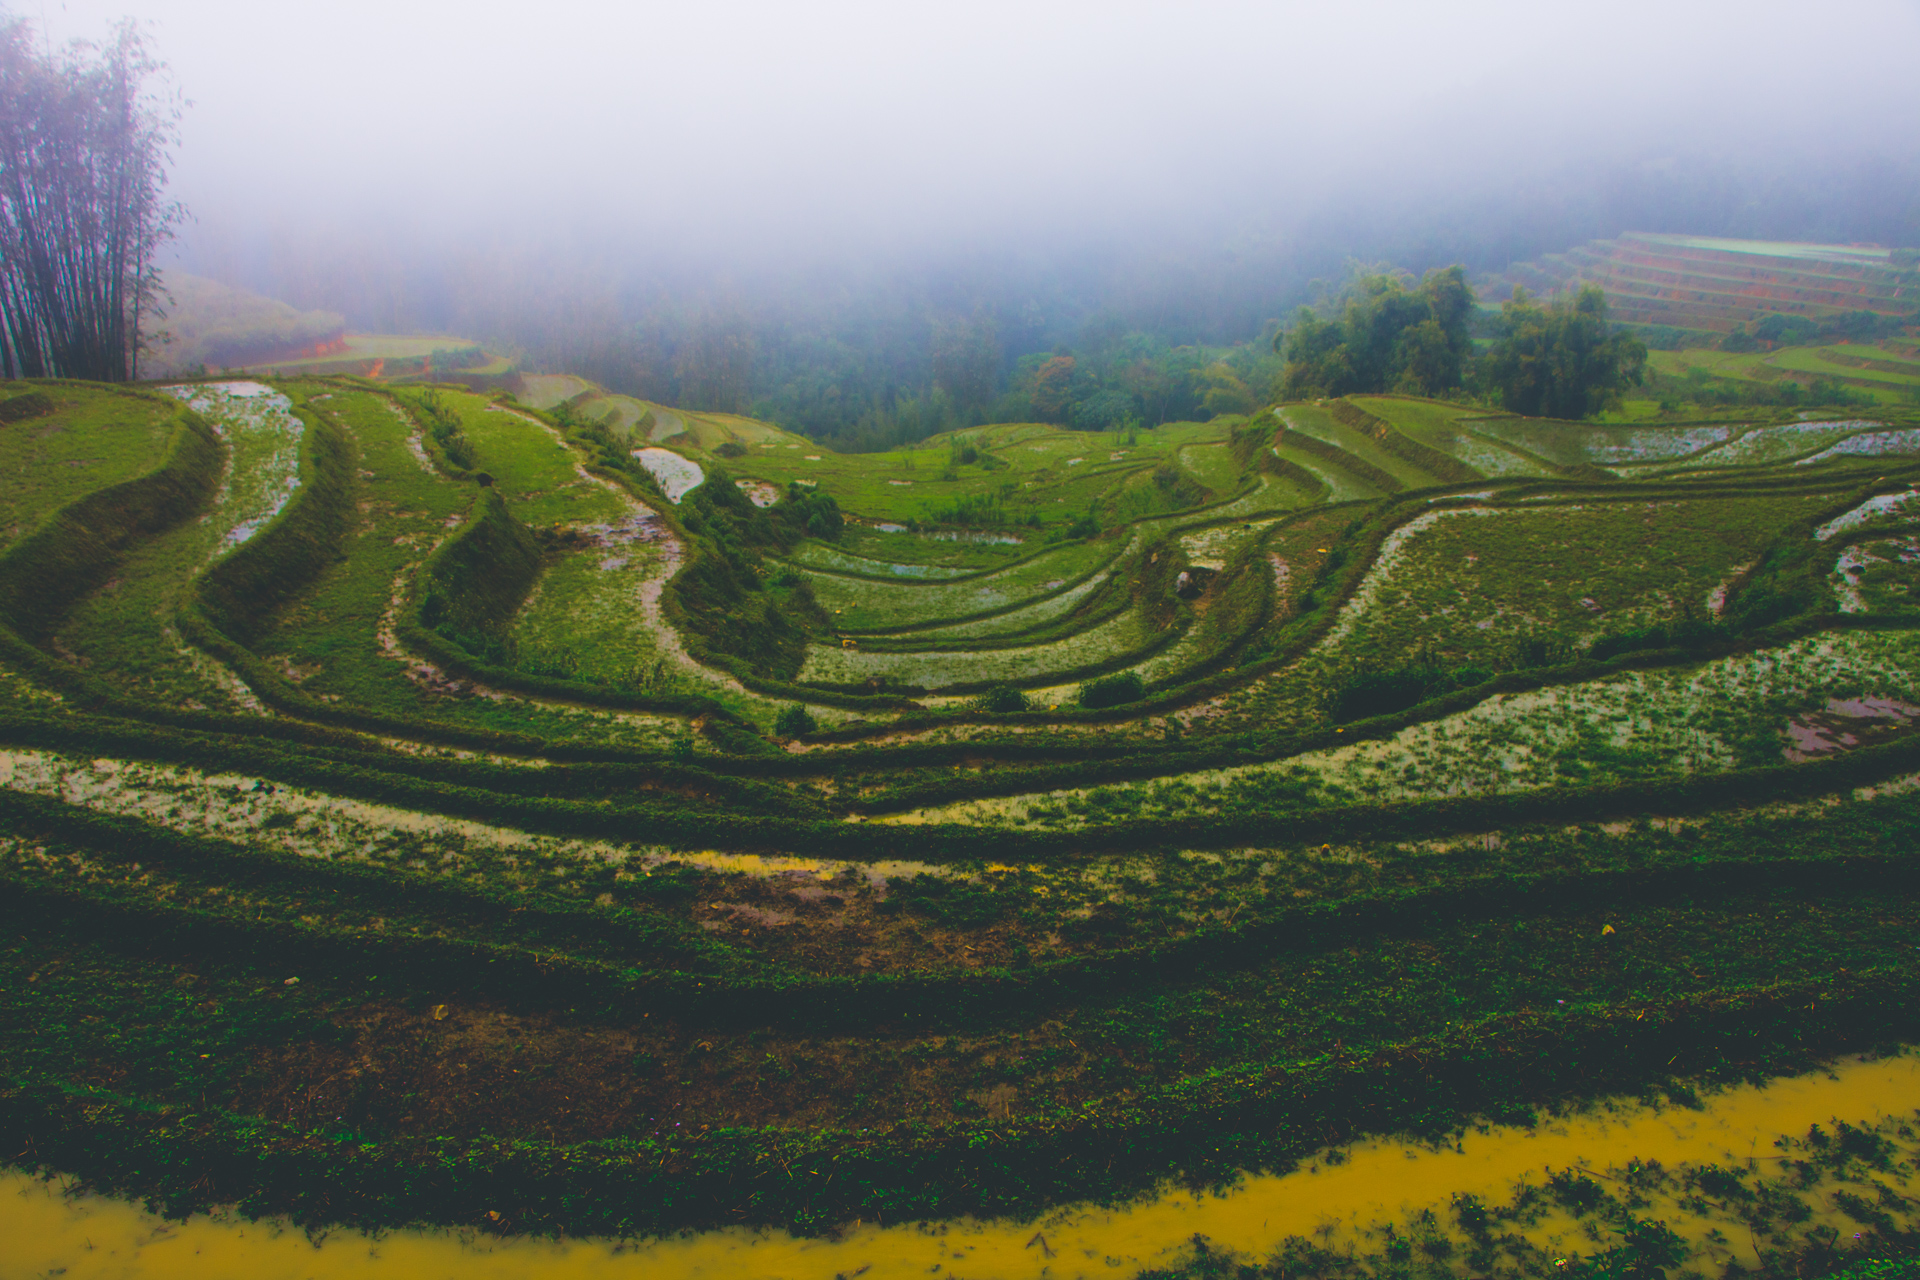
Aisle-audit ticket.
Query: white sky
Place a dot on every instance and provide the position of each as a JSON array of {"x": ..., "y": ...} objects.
[{"x": 716, "y": 123}]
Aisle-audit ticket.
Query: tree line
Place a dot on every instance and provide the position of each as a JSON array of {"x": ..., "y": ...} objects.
[{"x": 1563, "y": 359}]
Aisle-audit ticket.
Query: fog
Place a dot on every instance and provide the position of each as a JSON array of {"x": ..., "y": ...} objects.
[{"x": 508, "y": 170}]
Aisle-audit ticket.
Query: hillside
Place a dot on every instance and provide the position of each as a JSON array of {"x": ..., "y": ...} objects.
[
  {"x": 567, "y": 813},
  {"x": 398, "y": 358},
  {"x": 1709, "y": 285},
  {"x": 212, "y": 325}
]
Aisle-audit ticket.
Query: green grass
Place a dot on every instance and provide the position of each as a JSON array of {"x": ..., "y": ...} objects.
[
  {"x": 623, "y": 415},
  {"x": 966, "y": 549},
  {"x": 535, "y": 470},
  {"x": 1316, "y": 422},
  {"x": 1573, "y": 443},
  {"x": 1632, "y": 729},
  {"x": 986, "y": 951},
  {"x": 1818, "y": 360},
  {"x": 581, "y": 621},
  {"x": 1886, "y": 386},
  {"x": 124, "y": 631},
  {"x": 1470, "y": 584},
  {"x": 860, "y": 605},
  {"x": 336, "y": 639},
  {"x": 545, "y": 390},
  {"x": 1025, "y": 665},
  {"x": 1272, "y": 494},
  {"x": 1883, "y": 576},
  {"x": 1017, "y": 621},
  {"x": 820, "y": 555},
  {"x": 1050, "y": 476},
  {"x": 94, "y": 438},
  {"x": 1213, "y": 465},
  {"x": 1440, "y": 427}
]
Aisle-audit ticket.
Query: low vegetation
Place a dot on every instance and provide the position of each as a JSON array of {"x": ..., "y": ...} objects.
[{"x": 412, "y": 809}]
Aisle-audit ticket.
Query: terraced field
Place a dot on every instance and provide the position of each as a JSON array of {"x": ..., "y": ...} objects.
[
  {"x": 419, "y": 806},
  {"x": 1709, "y": 285}
]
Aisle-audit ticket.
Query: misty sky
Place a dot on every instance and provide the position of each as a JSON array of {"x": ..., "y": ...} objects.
[{"x": 757, "y": 128}]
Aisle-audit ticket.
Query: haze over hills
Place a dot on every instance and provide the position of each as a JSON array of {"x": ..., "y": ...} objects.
[{"x": 212, "y": 325}]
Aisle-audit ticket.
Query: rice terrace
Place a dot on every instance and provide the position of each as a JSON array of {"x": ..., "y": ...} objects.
[
  {"x": 430, "y": 806},
  {"x": 776, "y": 721}
]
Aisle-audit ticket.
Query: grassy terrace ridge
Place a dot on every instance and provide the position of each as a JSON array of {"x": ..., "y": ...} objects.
[{"x": 409, "y": 811}]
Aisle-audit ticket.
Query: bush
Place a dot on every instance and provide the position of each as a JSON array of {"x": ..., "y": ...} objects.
[
  {"x": 729, "y": 449},
  {"x": 1786, "y": 330},
  {"x": 809, "y": 512},
  {"x": 1087, "y": 526},
  {"x": 1680, "y": 634},
  {"x": 1366, "y": 694},
  {"x": 793, "y": 721},
  {"x": 1112, "y": 691},
  {"x": 1003, "y": 699},
  {"x": 734, "y": 740}
]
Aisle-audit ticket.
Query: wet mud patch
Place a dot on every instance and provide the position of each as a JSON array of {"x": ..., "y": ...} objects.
[{"x": 1847, "y": 723}]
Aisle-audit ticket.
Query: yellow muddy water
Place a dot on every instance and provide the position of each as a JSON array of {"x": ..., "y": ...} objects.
[{"x": 43, "y": 1231}]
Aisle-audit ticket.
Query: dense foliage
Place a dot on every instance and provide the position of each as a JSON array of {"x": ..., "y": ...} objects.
[
  {"x": 1562, "y": 360},
  {"x": 1387, "y": 337}
]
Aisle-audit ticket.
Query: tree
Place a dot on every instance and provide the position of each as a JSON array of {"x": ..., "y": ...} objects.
[
  {"x": 966, "y": 360},
  {"x": 716, "y": 362},
  {"x": 1559, "y": 361},
  {"x": 83, "y": 156},
  {"x": 1053, "y": 389},
  {"x": 1225, "y": 392},
  {"x": 1387, "y": 338},
  {"x": 1105, "y": 410}
]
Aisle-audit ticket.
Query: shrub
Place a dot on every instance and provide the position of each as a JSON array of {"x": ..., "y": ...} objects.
[
  {"x": 1112, "y": 691},
  {"x": 1365, "y": 694},
  {"x": 729, "y": 449},
  {"x": 1003, "y": 699},
  {"x": 1087, "y": 526},
  {"x": 1380, "y": 693},
  {"x": 809, "y": 512},
  {"x": 734, "y": 740},
  {"x": 1679, "y": 634},
  {"x": 793, "y": 721},
  {"x": 1786, "y": 330}
]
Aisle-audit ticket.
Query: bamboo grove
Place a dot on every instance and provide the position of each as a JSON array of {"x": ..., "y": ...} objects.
[{"x": 83, "y": 156}]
